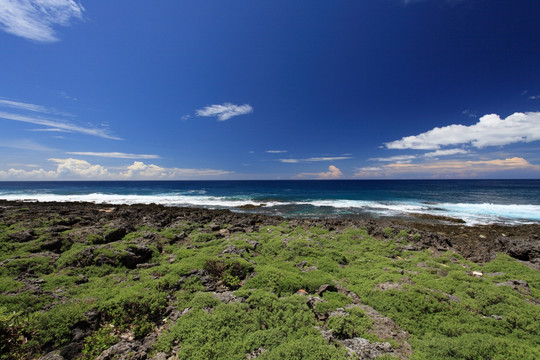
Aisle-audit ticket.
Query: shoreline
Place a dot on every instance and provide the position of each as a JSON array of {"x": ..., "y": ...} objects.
[{"x": 479, "y": 243}]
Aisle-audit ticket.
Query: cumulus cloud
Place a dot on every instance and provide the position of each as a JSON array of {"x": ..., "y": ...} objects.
[
  {"x": 332, "y": 173},
  {"x": 116, "y": 155},
  {"x": 79, "y": 168},
  {"x": 150, "y": 171},
  {"x": 140, "y": 169},
  {"x": 76, "y": 169},
  {"x": 224, "y": 111},
  {"x": 490, "y": 130},
  {"x": 314, "y": 159},
  {"x": 452, "y": 168},
  {"x": 36, "y": 19}
]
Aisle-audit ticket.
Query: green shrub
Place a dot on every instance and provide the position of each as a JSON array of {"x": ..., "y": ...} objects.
[
  {"x": 231, "y": 331},
  {"x": 53, "y": 328},
  {"x": 202, "y": 238},
  {"x": 203, "y": 300},
  {"x": 279, "y": 281},
  {"x": 98, "y": 342},
  {"x": 388, "y": 232},
  {"x": 94, "y": 239},
  {"x": 349, "y": 326},
  {"x": 310, "y": 347},
  {"x": 229, "y": 271},
  {"x": 333, "y": 300}
]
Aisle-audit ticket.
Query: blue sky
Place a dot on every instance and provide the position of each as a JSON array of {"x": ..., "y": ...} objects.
[{"x": 370, "y": 89}]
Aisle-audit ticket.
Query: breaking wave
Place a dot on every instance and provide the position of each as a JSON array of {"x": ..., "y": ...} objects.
[{"x": 471, "y": 213}]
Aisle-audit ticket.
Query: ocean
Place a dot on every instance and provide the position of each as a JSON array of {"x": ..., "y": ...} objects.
[{"x": 474, "y": 201}]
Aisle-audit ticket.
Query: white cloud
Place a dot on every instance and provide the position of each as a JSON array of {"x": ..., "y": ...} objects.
[
  {"x": 79, "y": 168},
  {"x": 398, "y": 158},
  {"x": 50, "y": 130},
  {"x": 447, "y": 152},
  {"x": 140, "y": 169},
  {"x": 534, "y": 97},
  {"x": 31, "y": 107},
  {"x": 315, "y": 159},
  {"x": 370, "y": 168},
  {"x": 35, "y": 19},
  {"x": 332, "y": 173},
  {"x": 490, "y": 130},
  {"x": 20, "y": 174},
  {"x": 57, "y": 124},
  {"x": 225, "y": 111},
  {"x": 116, "y": 155},
  {"x": 76, "y": 169},
  {"x": 276, "y": 151},
  {"x": 23, "y": 106}
]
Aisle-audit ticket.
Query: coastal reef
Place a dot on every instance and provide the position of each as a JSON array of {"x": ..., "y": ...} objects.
[{"x": 97, "y": 281}]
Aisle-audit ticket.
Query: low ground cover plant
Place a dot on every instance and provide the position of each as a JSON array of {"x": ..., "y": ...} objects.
[{"x": 283, "y": 290}]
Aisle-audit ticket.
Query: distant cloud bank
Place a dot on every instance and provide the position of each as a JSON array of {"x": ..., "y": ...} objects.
[
  {"x": 451, "y": 168},
  {"x": 332, "y": 173},
  {"x": 75, "y": 169},
  {"x": 116, "y": 155},
  {"x": 36, "y": 19}
]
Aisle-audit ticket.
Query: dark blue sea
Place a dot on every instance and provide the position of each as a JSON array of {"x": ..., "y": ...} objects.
[{"x": 475, "y": 201}]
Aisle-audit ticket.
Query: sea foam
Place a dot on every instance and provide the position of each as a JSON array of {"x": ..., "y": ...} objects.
[{"x": 471, "y": 213}]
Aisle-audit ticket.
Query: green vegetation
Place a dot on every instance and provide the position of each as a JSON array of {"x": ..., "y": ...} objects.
[{"x": 274, "y": 306}]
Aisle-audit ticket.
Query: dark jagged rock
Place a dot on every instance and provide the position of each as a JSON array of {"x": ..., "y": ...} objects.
[
  {"x": 135, "y": 255},
  {"x": 115, "y": 235},
  {"x": 22, "y": 236},
  {"x": 54, "y": 245},
  {"x": 71, "y": 351},
  {"x": 361, "y": 348},
  {"x": 53, "y": 355},
  {"x": 518, "y": 285},
  {"x": 326, "y": 287},
  {"x": 124, "y": 351}
]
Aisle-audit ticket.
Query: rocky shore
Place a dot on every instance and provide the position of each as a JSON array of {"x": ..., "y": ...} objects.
[{"x": 97, "y": 281}]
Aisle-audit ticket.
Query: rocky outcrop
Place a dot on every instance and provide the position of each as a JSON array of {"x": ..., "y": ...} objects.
[{"x": 72, "y": 237}]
